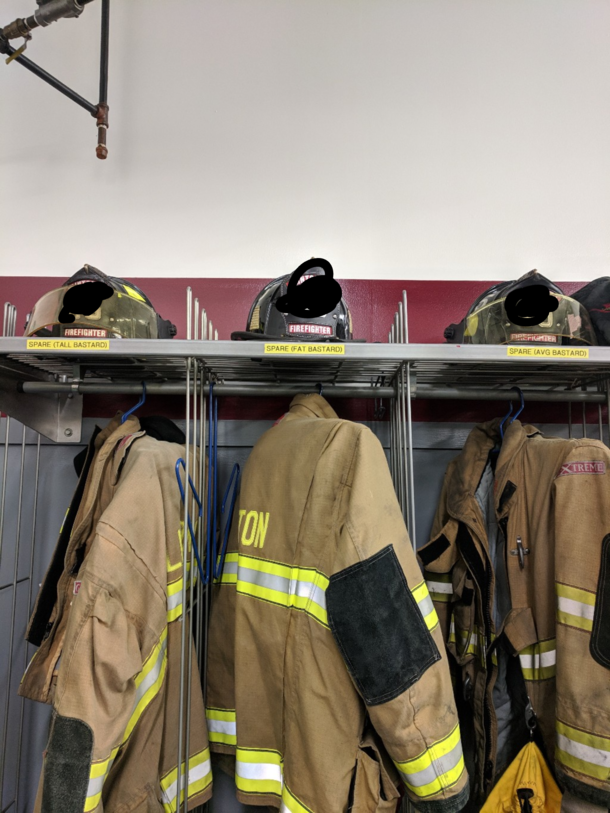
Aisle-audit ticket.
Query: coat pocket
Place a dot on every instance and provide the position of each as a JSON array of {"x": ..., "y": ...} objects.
[{"x": 374, "y": 789}]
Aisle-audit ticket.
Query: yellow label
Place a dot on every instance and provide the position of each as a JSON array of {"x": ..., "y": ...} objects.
[
  {"x": 295, "y": 349},
  {"x": 548, "y": 352},
  {"x": 68, "y": 344}
]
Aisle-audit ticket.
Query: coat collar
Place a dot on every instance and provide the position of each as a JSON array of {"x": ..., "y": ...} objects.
[
  {"x": 310, "y": 405},
  {"x": 470, "y": 464}
]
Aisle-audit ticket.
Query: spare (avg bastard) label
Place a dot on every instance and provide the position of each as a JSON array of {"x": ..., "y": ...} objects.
[{"x": 548, "y": 352}]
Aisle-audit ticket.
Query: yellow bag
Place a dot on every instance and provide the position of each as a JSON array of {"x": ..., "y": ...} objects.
[{"x": 526, "y": 786}]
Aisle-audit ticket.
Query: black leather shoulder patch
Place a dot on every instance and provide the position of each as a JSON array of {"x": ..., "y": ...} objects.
[
  {"x": 67, "y": 766},
  {"x": 600, "y": 636},
  {"x": 379, "y": 628}
]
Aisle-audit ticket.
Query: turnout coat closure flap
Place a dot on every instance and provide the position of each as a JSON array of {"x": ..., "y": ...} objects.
[
  {"x": 109, "y": 661},
  {"x": 552, "y": 504},
  {"x": 322, "y": 630}
]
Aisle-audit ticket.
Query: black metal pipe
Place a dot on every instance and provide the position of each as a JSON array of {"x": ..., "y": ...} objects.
[
  {"x": 51, "y": 80},
  {"x": 104, "y": 51}
]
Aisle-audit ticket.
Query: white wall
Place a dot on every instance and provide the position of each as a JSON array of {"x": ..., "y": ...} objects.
[{"x": 430, "y": 139}]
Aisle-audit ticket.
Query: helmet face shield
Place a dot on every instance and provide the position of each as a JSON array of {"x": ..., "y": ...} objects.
[
  {"x": 123, "y": 315},
  {"x": 488, "y": 323}
]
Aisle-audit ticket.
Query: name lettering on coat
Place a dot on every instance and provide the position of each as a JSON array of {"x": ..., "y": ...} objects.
[{"x": 252, "y": 528}]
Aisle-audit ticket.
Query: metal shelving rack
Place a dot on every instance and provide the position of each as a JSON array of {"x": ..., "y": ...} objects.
[{"x": 43, "y": 389}]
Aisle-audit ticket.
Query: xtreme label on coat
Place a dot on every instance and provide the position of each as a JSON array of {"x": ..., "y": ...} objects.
[{"x": 252, "y": 528}]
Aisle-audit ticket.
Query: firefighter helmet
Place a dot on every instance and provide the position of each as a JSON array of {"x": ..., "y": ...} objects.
[
  {"x": 488, "y": 322},
  {"x": 126, "y": 313},
  {"x": 265, "y": 321}
]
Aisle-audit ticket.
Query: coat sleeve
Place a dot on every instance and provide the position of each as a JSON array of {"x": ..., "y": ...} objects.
[
  {"x": 582, "y": 596},
  {"x": 386, "y": 627},
  {"x": 102, "y": 674}
]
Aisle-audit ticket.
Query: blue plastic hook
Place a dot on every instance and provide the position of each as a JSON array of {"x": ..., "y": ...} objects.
[
  {"x": 516, "y": 415},
  {"x": 210, "y": 503},
  {"x": 180, "y": 462},
  {"x": 233, "y": 481},
  {"x": 137, "y": 406},
  {"x": 504, "y": 419}
]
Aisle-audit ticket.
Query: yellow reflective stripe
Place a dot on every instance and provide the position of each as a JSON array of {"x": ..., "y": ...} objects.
[
  {"x": 475, "y": 642},
  {"x": 258, "y": 771},
  {"x": 97, "y": 775},
  {"x": 200, "y": 777},
  {"x": 134, "y": 294},
  {"x": 575, "y": 593},
  {"x": 63, "y": 522},
  {"x": 262, "y": 771},
  {"x": 222, "y": 726},
  {"x": 581, "y": 751},
  {"x": 426, "y": 607},
  {"x": 584, "y": 737},
  {"x": 538, "y": 661},
  {"x": 575, "y": 607},
  {"x": 175, "y": 593},
  {"x": 290, "y": 803},
  {"x": 439, "y": 585},
  {"x": 301, "y": 588},
  {"x": 436, "y": 769},
  {"x": 148, "y": 682}
]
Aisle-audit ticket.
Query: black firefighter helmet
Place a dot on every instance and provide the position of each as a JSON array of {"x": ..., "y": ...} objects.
[
  {"x": 266, "y": 322},
  {"x": 127, "y": 313}
]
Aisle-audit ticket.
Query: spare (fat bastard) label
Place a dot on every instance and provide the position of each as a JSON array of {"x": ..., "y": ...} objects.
[
  {"x": 533, "y": 337},
  {"x": 583, "y": 467},
  {"x": 298, "y": 349},
  {"x": 318, "y": 330}
]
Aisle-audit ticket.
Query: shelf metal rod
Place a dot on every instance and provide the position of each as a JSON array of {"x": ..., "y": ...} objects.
[{"x": 422, "y": 391}]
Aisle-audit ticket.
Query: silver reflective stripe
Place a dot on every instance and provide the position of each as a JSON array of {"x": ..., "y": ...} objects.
[
  {"x": 440, "y": 587},
  {"x": 290, "y": 587},
  {"x": 259, "y": 770},
  {"x": 584, "y": 752},
  {"x": 573, "y": 607},
  {"x": 174, "y": 601},
  {"x": 95, "y": 785},
  {"x": 426, "y": 606},
  {"x": 196, "y": 773},
  {"x": 538, "y": 660},
  {"x": 438, "y": 767},
  {"x": 222, "y": 726},
  {"x": 152, "y": 676},
  {"x": 229, "y": 569}
]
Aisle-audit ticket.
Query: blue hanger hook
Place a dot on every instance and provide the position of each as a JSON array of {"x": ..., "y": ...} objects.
[
  {"x": 516, "y": 415},
  {"x": 137, "y": 406},
  {"x": 191, "y": 532},
  {"x": 233, "y": 481},
  {"x": 504, "y": 419}
]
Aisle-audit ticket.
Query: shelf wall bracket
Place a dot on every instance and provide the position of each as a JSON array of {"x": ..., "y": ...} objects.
[{"x": 57, "y": 416}]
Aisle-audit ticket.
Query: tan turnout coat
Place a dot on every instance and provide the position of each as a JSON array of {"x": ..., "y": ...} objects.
[
  {"x": 111, "y": 608},
  {"x": 327, "y": 682},
  {"x": 552, "y": 500}
]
